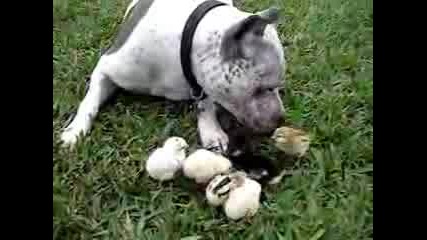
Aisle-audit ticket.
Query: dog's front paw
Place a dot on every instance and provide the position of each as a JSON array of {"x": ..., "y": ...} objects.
[
  {"x": 216, "y": 142},
  {"x": 257, "y": 174},
  {"x": 78, "y": 127},
  {"x": 72, "y": 133},
  {"x": 69, "y": 138},
  {"x": 277, "y": 179}
]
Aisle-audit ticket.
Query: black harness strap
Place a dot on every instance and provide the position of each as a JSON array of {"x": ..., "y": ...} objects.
[{"x": 187, "y": 43}]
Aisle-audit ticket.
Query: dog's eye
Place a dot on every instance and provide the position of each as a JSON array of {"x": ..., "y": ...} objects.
[
  {"x": 258, "y": 91},
  {"x": 262, "y": 91},
  {"x": 269, "y": 89}
]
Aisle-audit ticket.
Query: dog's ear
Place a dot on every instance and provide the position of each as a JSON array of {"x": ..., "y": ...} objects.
[
  {"x": 248, "y": 28},
  {"x": 271, "y": 15}
]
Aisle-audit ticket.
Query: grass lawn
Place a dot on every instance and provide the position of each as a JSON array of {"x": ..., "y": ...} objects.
[{"x": 102, "y": 192}]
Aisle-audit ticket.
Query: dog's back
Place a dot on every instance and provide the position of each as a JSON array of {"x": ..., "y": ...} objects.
[{"x": 145, "y": 56}]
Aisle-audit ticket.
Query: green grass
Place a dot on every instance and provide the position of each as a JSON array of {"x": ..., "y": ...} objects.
[{"x": 100, "y": 190}]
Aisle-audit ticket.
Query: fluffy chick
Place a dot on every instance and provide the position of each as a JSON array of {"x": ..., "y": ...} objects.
[
  {"x": 294, "y": 142},
  {"x": 243, "y": 200},
  {"x": 220, "y": 186},
  {"x": 202, "y": 165},
  {"x": 166, "y": 161},
  {"x": 218, "y": 189}
]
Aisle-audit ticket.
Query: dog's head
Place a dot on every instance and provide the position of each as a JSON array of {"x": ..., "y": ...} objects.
[{"x": 246, "y": 76}]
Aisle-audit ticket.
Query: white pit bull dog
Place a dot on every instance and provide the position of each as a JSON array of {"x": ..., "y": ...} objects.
[{"x": 232, "y": 58}]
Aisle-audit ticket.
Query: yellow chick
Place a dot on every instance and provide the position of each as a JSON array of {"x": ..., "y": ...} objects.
[{"x": 292, "y": 141}]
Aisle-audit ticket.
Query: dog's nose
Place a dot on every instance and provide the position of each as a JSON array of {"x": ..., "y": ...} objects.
[{"x": 276, "y": 121}]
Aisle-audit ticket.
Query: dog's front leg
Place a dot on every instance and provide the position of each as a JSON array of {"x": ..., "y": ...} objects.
[
  {"x": 211, "y": 135},
  {"x": 100, "y": 89}
]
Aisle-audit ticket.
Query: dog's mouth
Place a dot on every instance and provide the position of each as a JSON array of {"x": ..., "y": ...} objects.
[{"x": 230, "y": 123}]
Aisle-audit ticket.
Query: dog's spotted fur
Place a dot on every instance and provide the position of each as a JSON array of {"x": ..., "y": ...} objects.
[{"x": 237, "y": 58}]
